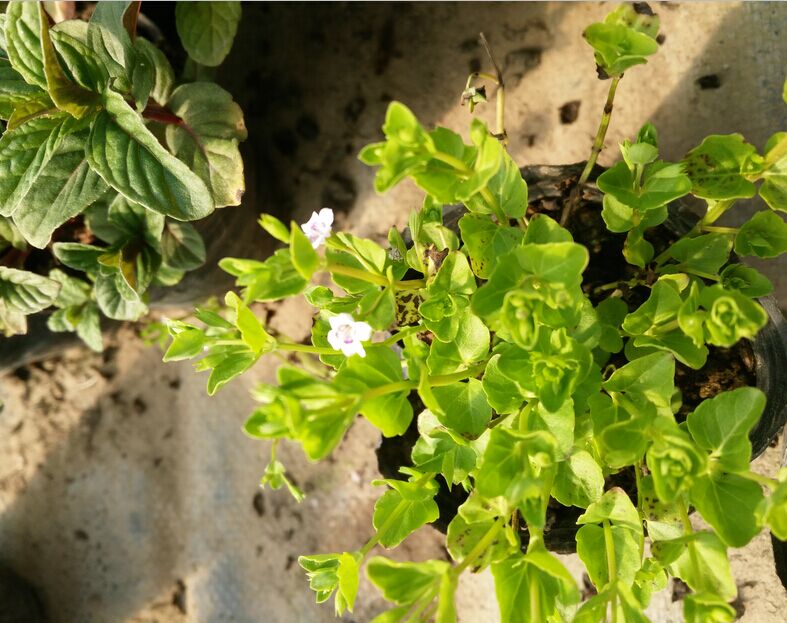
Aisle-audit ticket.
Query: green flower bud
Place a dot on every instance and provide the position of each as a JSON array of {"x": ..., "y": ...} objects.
[
  {"x": 731, "y": 316},
  {"x": 673, "y": 460},
  {"x": 435, "y": 309},
  {"x": 707, "y": 608},
  {"x": 519, "y": 319}
]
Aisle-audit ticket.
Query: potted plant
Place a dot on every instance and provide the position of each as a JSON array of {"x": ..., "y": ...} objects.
[
  {"x": 556, "y": 339},
  {"x": 106, "y": 158}
]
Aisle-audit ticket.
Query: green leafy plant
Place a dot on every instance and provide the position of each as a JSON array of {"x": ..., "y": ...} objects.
[
  {"x": 541, "y": 388},
  {"x": 105, "y": 158}
]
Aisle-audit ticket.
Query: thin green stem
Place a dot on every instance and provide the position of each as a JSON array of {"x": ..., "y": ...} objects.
[
  {"x": 421, "y": 605},
  {"x": 389, "y": 388},
  {"x": 400, "y": 335},
  {"x": 701, "y": 274},
  {"x": 664, "y": 328},
  {"x": 535, "y": 602},
  {"x": 523, "y": 415},
  {"x": 689, "y": 530},
  {"x": 598, "y": 145},
  {"x": 501, "y": 92},
  {"x": 452, "y": 161},
  {"x": 379, "y": 280},
  {"x": 716, "y": 211},
  {"x": 441, "y": 380},
  {"x": 306, "y": 348},
  {"x": 614, "y": 285},
  {"x": 714, "y": 229},
  {"x": 612, "y": 567},
  {"x": 237, "y": 342},
  {"x": 765, "y": 481},
  {"x": 776, "y": 153}
]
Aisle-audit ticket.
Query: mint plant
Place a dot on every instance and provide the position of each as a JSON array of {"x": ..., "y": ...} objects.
[
  {"x": 105, "y": 158},
  {"x": 538, "y": 388}
]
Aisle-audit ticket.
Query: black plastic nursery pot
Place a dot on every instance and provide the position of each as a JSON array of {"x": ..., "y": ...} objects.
[{"x": 760, "y": 362}]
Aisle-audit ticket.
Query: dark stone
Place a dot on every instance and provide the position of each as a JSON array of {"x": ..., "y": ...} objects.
[
  {"x": 354, "y": 108},
  {"x": 258, "y": 503},
  {"x": 307, "y": 127},
  {"x": 179, "y": 596},
  {"x": 339, "y": 193},
  {"x": 711, "y": 81},
  {"x": 569, "y": 112},
  {"x": 285, "y": 141},
  {"x": 643, "y": 8}
]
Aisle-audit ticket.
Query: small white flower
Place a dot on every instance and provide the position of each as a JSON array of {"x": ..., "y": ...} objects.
[
  {"x": 346, "y": 335},
  {"x": 318, "y": 227}
]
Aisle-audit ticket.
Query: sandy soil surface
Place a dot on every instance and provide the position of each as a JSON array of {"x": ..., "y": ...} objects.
[{"x": 126, "y": 494}]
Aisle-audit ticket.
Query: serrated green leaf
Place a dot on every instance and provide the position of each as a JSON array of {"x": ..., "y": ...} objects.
[
  {"x": 68, "y": 96},
  {"x": 403, "y": 509},
  {"x": 405, "y": 582},
  {"x": 182, "y": 247},
  {"x": 706, "y": 254},
  {"x": 163, "y": 74},
  {"x": 130, "y": 159},
  {"x": 462, "y": 536},
  {"x": 705, "y": 569},
  {"x": 83, "y": 257},
  {"x": 80, "y": 63},
  {"x": 14, "y": 90},
  {"x": 438, "y": 451},
  {"x": 304, "y": 257},
  {"x": 251, "y": 330},
  {"x": 275, "y": 227},
  {"x": 24, "y": 153},
  {"x": 774, "y": 185},
  {"x": 391, "y": 413},
  {"x": 109, "y": 39},
  {"x": 623, "y": 40},
  {"x": 64, "y": 187},
  {"x": 532, "y": 586},
  {"x": 721, "y": 426},
  {"x": 462, "y": 407},
  {"x": 579, "y": 480},
  {"x": 23, "y": 43},
  {"x": 271, "y": 280},
  {"x": 486, "y": 242},
  {"x": 470, "y": 346},
  {"x": 746, "y": 280},
  {"x": 707, "y": 608},
  {"x": 503, "y": 394},
  {"x": 116, "y": 299},
  {"x": 207, "y": 29},
  {"x": 512, "y": 466},
  {"x": 662, "y": 182},
  {"x": 208, "y": 142},
  {"x": 763, "y": 235},
  {"x": 728, "y": 503},
  {"x": 26, "y": 292},
  {"x": 717, "y": 167}
]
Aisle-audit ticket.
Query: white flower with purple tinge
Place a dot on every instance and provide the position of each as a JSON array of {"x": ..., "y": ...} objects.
[
  {"x": 346, "y": 335},
  {"x": 318, "y": 227}
]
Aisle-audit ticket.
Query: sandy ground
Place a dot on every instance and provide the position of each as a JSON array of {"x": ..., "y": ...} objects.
[{"x": 126, "y": 494}]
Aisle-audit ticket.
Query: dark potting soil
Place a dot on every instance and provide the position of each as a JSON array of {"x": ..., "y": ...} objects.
[{"x": 726, "y": 368}]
